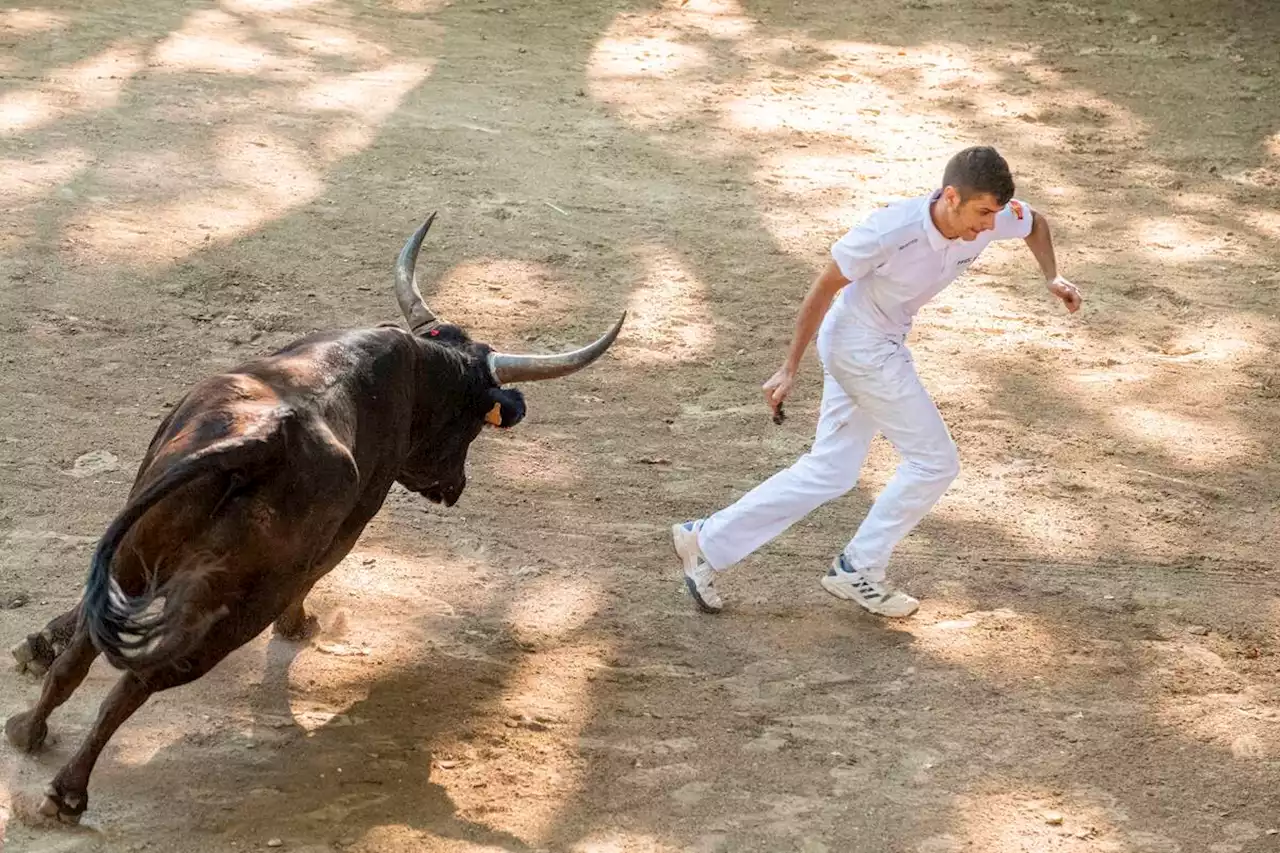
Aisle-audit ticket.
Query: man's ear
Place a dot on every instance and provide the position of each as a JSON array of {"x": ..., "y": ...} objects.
[{"x": 508, "y": 407}]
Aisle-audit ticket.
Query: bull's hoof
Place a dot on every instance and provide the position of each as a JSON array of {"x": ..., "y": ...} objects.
[
  {"x": 36, "y": 653},
  {"x": 65, "y": 807},
  {"x": 297, "y": 628},
  {"x": 25, "y": 733}
]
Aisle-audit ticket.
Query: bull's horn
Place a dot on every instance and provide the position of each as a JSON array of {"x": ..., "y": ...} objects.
[
  {"x": 507, "y": 368},
  {"x": 407, "y": 293}
]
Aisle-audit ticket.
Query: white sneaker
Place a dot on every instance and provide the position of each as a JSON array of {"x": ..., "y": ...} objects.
[
  {"x": 699, "y": 577},
  {"x": 844, "y": 581}
]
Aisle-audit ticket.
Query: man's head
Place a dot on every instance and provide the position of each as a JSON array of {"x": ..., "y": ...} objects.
[{"x": 976, "y": 185}]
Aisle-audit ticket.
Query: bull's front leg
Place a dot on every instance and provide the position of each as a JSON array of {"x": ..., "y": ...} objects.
[
  {"x": 38, "y": 651},
  {"x": 295, "y": 623}
]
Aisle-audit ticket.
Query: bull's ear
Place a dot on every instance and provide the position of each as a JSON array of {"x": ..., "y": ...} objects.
[{"x": 506, "y": 407}]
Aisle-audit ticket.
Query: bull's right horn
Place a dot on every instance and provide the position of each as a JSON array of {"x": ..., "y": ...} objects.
[
  {"x": 507, "y": 368},
  {"x": 407, "y": 294}
]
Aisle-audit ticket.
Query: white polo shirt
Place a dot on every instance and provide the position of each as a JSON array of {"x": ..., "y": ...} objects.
[{"x": 897, "y": 260}]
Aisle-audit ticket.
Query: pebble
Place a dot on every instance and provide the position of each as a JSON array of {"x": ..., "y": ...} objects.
[
  {"x": 275, "y": 842},
  {"x": 1054, "y": 819},
  {"x": 1198, "y": 630},
  {"x": 94, "y": 462}
]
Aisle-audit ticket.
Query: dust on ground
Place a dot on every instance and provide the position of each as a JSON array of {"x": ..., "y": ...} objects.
[{"x": 187, "y": 184}]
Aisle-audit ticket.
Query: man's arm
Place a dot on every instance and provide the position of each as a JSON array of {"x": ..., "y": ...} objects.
[
  {"x": 812, "y": 310},
  {"x": 1040, "y": 242}
]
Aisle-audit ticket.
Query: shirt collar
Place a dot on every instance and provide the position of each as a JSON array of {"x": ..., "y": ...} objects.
[{"x": 936, "y": 240}]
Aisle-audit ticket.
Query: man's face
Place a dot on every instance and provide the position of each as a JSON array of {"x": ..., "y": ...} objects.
[{"x": 970, "y": 218}]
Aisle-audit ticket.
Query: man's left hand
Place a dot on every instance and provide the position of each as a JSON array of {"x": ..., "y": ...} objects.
[{"x": 1067, "y": 292}]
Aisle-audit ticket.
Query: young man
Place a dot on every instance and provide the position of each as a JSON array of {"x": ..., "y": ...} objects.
[{"x": 881, "y": 273}]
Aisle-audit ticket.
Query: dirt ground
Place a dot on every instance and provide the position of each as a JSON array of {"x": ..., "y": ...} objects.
[{"x": 184, "y": 184}]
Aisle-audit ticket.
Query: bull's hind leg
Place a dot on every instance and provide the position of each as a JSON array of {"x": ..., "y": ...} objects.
[
  {"x": 28, "y": 730},
  {"x": 68, "y": 795},
  {"x": 37, "y": 652}
]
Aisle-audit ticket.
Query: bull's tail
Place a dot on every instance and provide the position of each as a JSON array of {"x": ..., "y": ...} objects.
[{"x": 129, "y": 630}]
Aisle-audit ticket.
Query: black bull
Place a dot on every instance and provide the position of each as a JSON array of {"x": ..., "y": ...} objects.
[{"x": 257, "y": 484}]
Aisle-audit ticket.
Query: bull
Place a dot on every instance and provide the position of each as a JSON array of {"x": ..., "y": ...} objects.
[{"x": 254, "y": 487}]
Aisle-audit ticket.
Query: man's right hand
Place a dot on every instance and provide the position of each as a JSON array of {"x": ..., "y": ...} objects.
[{"x": 778, "y": 387}]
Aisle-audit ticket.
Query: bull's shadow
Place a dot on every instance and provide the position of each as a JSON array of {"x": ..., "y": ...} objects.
[{"x": 313, "y": 777}]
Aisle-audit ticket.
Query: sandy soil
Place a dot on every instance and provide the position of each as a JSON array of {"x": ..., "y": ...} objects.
[{"x": 186, "y": 184}]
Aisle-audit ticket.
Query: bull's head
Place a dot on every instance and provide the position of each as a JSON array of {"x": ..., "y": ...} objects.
[{"x": 436, "y": 467}]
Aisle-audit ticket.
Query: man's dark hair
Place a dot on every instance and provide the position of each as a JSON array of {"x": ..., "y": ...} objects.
[{"x": 979, "y": 170}]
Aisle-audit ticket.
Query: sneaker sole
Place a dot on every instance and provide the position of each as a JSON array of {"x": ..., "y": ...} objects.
[
  {"x": 688, "y": 581},
  {"x": 839, "y": 591}
]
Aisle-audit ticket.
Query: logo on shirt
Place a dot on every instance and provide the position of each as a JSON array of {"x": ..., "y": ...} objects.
[
  {"x": 964, "y": 262},
  {"x": 1017, "y": 208},
  {"x": 908, "y": 244}
]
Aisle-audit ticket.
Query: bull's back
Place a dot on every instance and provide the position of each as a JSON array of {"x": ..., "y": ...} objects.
[{"x": 250, "y": 517}]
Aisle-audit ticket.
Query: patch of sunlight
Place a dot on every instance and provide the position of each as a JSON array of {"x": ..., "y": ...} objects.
[
  {"x": 21, "y": 180},
  {"x": 1199, "y": 202},
  {"x": 1273, "y": 145},
  {"x": 21, "y": 111},
  {"x": 1226, "y": 340},
  {"x": 304, "y": 36},
  {"x": 99, "y": 80},
  {"x": 1199, "y": 442},
  {"x": 262, "y": 176},
  {"x": 612, "y": 841},
  {"x": 669, "y": 320},
  {"x": 269, "y": 7},
  {"x": 94, "y": 83},
  {"x": 378, "y": 575},
  {"x": 1266, "y": 221},
  {"x": 1113, "y": 375},
  {"x": 549, "y": 689},
  {"x": 369, "y": 97},
  {"x": 553, "y": 608},
  {"x": 28, "y": 21},
  {"x": 1177, "y": 241},
  {"x": 803, "y": 175},
  {"x": 269, "y": 176},
  {"x": 402, "y": 838},
  {"x": 719, "y": 19},
  {"x": 943, "y": 67},
  {"x": 419, "y": 7},
  {"x": 1241, "y": 724},
  {"x": 1018, "y": 821},
  {"x": 214, "y": 42},
  {"x": 645, "y": 56},
  {"x": 495, "y": 296},
  {"x": 992, "y": 317},
  {"x": 272, "y": 165},
  {"x": 525, "y": 463},
  {"x": 138, "y": 749},
  {"x": 1000, "y": 644},
  {"x": 638, "y": 77},
  {"x": 1029, "y": 504}
]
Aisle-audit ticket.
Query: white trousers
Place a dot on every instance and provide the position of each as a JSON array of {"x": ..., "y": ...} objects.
[{"x": 870, "y": 385}]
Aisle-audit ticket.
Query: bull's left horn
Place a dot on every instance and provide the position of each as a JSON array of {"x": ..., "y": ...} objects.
[
  {"x": 507, "y": 368},
  {"x": 407, "y": 294}
]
